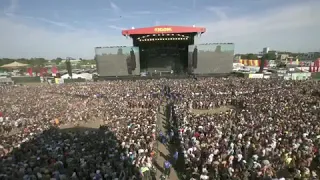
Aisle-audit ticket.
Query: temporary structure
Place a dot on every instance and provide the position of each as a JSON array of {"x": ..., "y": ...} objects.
[{"x": 14, "y": 65}]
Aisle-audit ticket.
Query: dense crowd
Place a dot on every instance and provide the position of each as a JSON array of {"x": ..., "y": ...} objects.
[
  {"x": 32, "y": 146},
  {"x": 271, "y": 129},
  {"x": 246, "y": 129}
]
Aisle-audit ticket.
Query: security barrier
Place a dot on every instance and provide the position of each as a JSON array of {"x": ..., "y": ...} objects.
[
  {"x": 315, "y": 75},
  {"x": 74, "y": 80},
  {"x": 18, "y": 80}
]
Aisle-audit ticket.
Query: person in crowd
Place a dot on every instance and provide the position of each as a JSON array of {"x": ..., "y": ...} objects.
[{"x": 167, "y": 168}]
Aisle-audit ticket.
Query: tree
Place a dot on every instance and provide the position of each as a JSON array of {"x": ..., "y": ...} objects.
[
  {"x": 252, "y": 56},
  {"x": 281, "y": 65},
  {"x": 270, "y": 56},
  {"x": 244, "y": 56},
  {"x": 38, "y": 62},
  {"x": 58, "y": 60},
  {"x": 78, "y": 66}
]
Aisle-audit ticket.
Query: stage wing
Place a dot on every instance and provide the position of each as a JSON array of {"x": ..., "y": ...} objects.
[
  {"x": 117, "y": 61},
  {"x": 211, "y": 58}
]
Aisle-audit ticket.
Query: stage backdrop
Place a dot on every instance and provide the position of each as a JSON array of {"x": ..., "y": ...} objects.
[
  {"x": 117, "y": 61},
  {"x": 211, "y": 58}
]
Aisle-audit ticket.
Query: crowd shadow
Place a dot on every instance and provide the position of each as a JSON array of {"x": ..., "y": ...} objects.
[
  {"x": 84, "y": 152},
  {"x": 159, "y": 167}
]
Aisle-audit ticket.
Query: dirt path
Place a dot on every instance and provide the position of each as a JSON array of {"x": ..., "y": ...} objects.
[{"x": 163, "y": 153}]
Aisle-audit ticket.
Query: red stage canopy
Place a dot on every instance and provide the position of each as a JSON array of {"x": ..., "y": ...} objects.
[{"x": 163, "y": 30}]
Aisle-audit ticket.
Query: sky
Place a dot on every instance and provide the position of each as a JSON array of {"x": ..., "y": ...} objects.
[{"x": 72, "y": 28}]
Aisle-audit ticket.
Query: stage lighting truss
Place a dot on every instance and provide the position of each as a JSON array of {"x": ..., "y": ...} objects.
[{"x": 163, "y": 37}]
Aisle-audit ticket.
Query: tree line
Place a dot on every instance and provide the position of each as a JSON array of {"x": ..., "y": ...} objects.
[
  {"x": 42, "y": 61},
  {"x": 272, "y": 55},
  {"x": 268, "y": 56}
]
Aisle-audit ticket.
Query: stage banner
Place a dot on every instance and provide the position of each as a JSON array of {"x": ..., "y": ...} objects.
[
  {"x": 211, "y": 58},
  {"x": 117, "y": 60}
]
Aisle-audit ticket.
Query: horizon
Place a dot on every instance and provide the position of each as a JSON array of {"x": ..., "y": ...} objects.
[{"x": 73, "y": 28}]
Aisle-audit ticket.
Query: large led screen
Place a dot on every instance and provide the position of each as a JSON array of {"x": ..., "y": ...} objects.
[
  {"x": 211, "y": 58},
  {"x": 117, "y": 61}
]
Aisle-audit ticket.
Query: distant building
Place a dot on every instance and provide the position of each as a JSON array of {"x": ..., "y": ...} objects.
[
  {"x": 236, "y": 58},
  {"x": 310, "y": 56},
  {"x": 265, "y": 50},
  {"x": 284, "y": 56},
  {"x": 72, "y": 61}
]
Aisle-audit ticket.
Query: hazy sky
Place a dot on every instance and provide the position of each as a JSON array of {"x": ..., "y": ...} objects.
[{"x": 61, "y": 28}]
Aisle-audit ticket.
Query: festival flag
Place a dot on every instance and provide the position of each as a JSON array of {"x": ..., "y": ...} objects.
[
  {"x": 29, "y": 71},
  {"x": 301, "y": 65},
  {"x": 317, "y": 64},
  {"x": 312, "y": 67},
  {"x": 54, "y": 71},
  {"x": 266, "y": 63},
  {"x": 41, "y": 72}
]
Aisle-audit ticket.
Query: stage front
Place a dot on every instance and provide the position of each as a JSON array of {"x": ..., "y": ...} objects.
[{"x": 163, "y": 50}]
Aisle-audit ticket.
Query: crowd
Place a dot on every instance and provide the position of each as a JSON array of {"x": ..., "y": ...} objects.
[
  {"x": 270, "y": 130},
  {"x": 32, "y": 146}
]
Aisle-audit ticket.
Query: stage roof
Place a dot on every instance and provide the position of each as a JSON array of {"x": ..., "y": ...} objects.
[{"x": 163, "y": 30}]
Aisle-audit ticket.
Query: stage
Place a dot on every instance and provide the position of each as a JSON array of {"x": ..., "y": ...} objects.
[{"x": 164, "y": 51}]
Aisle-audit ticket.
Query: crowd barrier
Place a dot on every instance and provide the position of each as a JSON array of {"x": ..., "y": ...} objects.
[
  {"x": 74, "y": 80},
  {"x": 6, "y": 81},
  {"x": 26, "y": 79},
  {"x": 315, "y": 75}
]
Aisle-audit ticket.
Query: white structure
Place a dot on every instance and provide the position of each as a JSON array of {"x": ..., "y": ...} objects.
[
  {"x": 72, "y": 62},
  {"x": 265, "y": 50},
  {"x": 86, "y": 76}
]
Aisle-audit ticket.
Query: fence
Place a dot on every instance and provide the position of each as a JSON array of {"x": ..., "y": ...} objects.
[
  {"x": 315, "y": 75},
  {"x": 6, "y": 81},
  {"x": 26, "y": 79},
  {"x": 74, "y": 80}
]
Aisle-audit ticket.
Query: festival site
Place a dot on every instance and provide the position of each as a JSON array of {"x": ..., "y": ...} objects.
[{"x": 171, "y": 105}]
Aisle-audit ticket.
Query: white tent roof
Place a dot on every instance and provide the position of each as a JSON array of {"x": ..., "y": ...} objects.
[
  {"x": 14, "y": 65},
  {"x": 86, "y": 76}
]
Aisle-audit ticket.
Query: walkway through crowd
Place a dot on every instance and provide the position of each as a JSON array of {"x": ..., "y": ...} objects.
[{"x": 164, "y": 155}]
